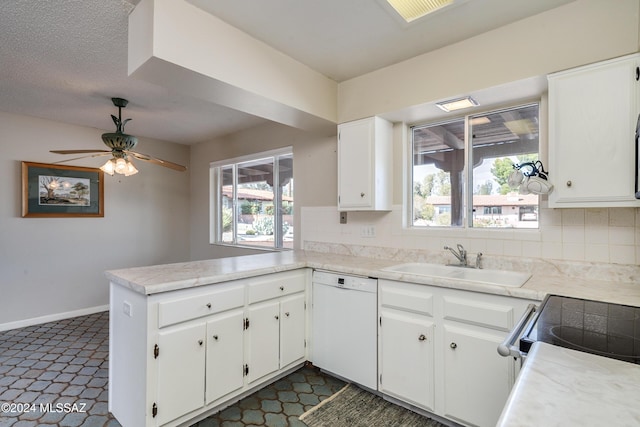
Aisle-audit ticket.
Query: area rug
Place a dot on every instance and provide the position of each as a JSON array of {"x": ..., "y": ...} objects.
[{"x": 355, "y": 407}]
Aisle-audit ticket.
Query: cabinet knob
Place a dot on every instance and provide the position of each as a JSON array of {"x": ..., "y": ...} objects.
[
  {"x": 208, "y": 305},
  {"x": 422, "y": 337},
  {"x": 287, "y": 314},
  {"x": 282, "y": 288},
  {"x": 215, "y": 337},
  {"x": 200, "y": 342},
  {"x": 277, "y": 317},
  {"x": 569, "y": 183},
  {"x": 453, "y": 346},
  {"x": 361, "y": 194}
]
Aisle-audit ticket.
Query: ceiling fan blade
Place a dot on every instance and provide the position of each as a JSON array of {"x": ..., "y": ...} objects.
[
  {"x": 165, "y": 163},
  {"x": 78, "y": 151},
  {"x": 106, "y": 153}
]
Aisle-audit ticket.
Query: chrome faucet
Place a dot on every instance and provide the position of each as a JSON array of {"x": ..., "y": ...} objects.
[
  {"x": 479, "y": 260},
  {"x": 461, "y": 254}
]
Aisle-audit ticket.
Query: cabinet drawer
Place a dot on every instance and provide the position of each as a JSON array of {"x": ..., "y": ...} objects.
[
  {"x": 496, "y": 316},
  {"x": 406, "y": 297},
  {"x": 216, "y": 301},
  {"x": 276, "y": 285}
]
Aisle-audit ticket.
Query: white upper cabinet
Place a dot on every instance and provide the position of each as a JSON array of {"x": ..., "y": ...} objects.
[
  {"x": 364, "y": 165},
  {"x": 593, "y": 112}
]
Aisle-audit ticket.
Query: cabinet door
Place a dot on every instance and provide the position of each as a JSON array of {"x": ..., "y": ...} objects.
[
  {"x": 477, "y": 379},
  {"x": 181, "y": 371},
  {"x": 406, "y": 357},
  {"x": 263, "y": 339},
  {"x": 292, "y": 329},
  {"x": 225, "y": 362},
  {"x": 592, "y": 120},
  {"x": 355, "y": 164}
]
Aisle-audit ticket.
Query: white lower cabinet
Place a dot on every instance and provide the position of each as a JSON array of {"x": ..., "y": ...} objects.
[
  {"x": 292, "y": 329},
  {"x": 406, "y": 357},
  {"x": 176, "y": 355},
  {"x": 477, "y": 381},
  {"x": 276, "y": 335},
  {"x": 438, "y": 350},
  {"x": 264, "y": 340},
  {"x": 180, "y": 371},
  {"x": 225, "y": 355}
]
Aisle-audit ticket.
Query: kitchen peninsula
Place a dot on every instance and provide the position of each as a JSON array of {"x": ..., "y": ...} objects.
[{"x": 164, "y": 317}]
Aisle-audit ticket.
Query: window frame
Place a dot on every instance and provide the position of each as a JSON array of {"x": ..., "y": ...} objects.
[
  {"x": 467, "y": 199},
  {"x": 216, "y": 203}
]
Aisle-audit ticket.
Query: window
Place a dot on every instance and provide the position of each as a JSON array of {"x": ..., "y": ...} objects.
[
  {"x": 492, "y": 143},
  {"x": 253, "y": 200}
]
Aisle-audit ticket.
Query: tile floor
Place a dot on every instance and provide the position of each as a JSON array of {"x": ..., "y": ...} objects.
[{"x": 56, "y": 374}]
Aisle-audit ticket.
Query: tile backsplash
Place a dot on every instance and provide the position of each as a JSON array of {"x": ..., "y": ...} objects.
[{"x": 602, "y": 235}]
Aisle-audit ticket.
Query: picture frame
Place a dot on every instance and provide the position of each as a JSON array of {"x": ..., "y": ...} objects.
[{"x": 57, "y": 191}]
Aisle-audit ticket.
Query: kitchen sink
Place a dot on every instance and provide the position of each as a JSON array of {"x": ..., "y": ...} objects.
[{"x": 512, "y": 279}]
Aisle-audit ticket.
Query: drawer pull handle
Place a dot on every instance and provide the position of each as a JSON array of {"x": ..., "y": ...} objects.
[
  {"x": 422, "y": 337},
  {"x": 208, "y": 305},
  {"x": 282, "y": 288},
  {"x": 453, "y": 346},
  {"x": 200, "y": 342},
  {"x": 215, "y": 337}
]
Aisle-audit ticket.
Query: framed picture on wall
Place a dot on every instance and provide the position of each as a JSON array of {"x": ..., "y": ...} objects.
[{"x": 61, "y": 191}]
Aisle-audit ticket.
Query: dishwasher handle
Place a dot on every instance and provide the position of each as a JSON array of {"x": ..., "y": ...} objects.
[{"x": 506, "y": 348}]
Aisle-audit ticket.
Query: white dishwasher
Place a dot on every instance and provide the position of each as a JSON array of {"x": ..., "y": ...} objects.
[{"x": 344, "y": 331}]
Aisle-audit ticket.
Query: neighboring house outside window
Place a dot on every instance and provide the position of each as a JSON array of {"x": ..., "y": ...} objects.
[
  {"x": 491, "y": 143},
  {"x": 252, "y": 200}
]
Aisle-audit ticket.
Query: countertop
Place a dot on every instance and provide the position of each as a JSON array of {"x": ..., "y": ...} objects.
[
  {"x": 563, "y": 387},
  {"x": 557, "y": 387},
  {"x": 170, "y": 277}
]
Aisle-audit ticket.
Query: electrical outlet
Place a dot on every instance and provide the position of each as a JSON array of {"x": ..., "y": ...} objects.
[
  {"x": 343, "y": 217},
  {"x": 368, "y": 231},
  {"x": 127, "y": 309}
]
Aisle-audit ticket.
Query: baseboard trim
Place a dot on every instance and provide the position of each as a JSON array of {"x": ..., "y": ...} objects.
[{"x": 52, "y": 317}]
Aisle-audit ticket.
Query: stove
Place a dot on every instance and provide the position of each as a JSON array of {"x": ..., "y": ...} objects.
[{"x": 605, "y": 329}]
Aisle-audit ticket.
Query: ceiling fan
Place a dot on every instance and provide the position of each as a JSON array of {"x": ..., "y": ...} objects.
[{"x": 120, "y": 145}]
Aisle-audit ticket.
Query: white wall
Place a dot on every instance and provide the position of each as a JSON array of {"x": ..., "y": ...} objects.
[
  {"x": 314, "y": 174},
  {"x": 50, "y": 266},
  {"x": 577, "y": 33}
]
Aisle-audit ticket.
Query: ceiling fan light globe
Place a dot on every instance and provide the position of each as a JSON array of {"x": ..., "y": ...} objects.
[
  {"x": 121, "y": 166},
  {"x": 130, "y": 170},
  {"x": 108, "y": 167}
]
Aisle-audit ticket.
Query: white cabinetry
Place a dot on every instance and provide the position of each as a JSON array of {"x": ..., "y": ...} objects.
[
  {"x": 364, "y": 165},
  {"x": 180, "y": 371},
  {"x": 292, "y": 329},
  {"x": 477, "y": 380},
  {"x": 176, "y": 355},
  {"x": 438, "y": 350},
  {"x": 593, "y": 112},
  {"x": 406, "y": 349},
  {"x": 225, "y": 350},
  {"x": 276, "y": 328}
]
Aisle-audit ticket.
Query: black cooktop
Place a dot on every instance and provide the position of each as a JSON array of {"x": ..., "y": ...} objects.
[{"x": 605, "y": 329}]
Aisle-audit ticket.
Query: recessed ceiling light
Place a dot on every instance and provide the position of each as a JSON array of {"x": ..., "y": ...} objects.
[
  {"x": 482, "y": 120},
  {"x": 411, "y": 10},
  {"x": 457, "y": 104}
]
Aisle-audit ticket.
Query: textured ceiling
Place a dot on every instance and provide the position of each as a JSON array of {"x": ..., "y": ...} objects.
[{"x": 64, "y": 59}]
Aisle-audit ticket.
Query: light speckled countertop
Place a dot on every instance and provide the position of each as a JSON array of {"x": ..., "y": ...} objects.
[
  {"x": 562, "y": 387},
  {"x": 170, "y": 277},
  {"x": 557, "y": 387}
]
